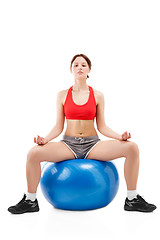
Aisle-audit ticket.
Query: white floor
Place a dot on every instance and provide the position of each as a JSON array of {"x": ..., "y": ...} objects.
[{"x": 110, "y": 222}]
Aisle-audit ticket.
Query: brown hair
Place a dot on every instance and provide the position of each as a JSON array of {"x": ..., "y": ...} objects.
[{"x": 85, "y": 57}]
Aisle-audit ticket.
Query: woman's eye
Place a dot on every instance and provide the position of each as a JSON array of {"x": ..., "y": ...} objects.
[{"x": 82, "y": 65}]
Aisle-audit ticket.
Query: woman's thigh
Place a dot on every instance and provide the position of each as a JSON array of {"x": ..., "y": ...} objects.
[
  {"x": 50, "y": 152},
  {"x": 112, "y": 149}
]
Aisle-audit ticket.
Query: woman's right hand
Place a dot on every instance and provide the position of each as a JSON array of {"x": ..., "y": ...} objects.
[{"x": 40, "y": 140}]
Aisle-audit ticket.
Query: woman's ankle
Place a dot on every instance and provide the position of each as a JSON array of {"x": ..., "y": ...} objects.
[{"x": 31, "y": 196}]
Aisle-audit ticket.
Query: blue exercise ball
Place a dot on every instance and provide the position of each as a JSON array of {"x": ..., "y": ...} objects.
[{"x": 79, "y": 184}]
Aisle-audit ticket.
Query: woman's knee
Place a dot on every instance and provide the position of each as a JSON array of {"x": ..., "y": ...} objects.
[
  {"x": 34, "y": 154},
  {"x": 133, "y": 148}
]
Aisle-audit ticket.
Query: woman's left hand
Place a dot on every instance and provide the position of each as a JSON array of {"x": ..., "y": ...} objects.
[{"x": 125, "y": 136}]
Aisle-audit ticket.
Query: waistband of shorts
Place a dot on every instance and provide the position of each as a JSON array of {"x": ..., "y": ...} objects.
[{"x": 71, "y": 138}]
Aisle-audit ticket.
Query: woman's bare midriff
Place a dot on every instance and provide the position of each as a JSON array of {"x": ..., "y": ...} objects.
[{"x": 80, "y": 128}]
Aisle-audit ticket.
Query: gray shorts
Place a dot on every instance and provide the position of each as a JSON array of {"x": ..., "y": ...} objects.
[{"x": 80, "y": 146}]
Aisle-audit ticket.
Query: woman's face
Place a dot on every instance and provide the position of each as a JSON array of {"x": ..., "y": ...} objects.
[{"x": 80, "y": 68}]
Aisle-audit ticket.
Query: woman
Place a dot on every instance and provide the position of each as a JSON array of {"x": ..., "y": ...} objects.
[{"x": 80, "y": 104}]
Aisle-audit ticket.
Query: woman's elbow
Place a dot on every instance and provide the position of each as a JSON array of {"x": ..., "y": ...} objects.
[
  {"x": 60, "y": 128},
  {"x": 101, "y": 128}
]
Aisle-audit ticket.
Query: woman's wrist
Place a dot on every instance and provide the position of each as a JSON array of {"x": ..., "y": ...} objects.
[
  {"x": 119, "y": 137},
  {"x": 47, "y": 140}
]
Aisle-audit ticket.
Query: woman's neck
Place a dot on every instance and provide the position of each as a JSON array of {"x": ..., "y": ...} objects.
[{"x": 80, "y": 85}]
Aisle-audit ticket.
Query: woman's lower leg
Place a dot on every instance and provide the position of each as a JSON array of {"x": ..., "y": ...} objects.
[
  {"x": 33, "y": 174},
  {"x": 131, "y": 170}
]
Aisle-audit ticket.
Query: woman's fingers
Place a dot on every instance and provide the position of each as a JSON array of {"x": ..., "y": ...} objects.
[
  {"x": 126, "y": 135},
  {"x": 40, "y": 140}
]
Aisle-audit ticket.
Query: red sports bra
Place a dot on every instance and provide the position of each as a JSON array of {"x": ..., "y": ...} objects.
[{"x": 86, "y": 111}]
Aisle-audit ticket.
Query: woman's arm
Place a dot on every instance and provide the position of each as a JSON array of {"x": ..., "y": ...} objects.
[
  {"x": 55, "y": 132},
  {"x": 59, "y": 126},
  {"x": 101, "y": 125},
  {"x": 108, "y": 132}
]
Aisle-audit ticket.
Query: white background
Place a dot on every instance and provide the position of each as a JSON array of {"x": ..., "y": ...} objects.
[{"x": 37, "y": 42}]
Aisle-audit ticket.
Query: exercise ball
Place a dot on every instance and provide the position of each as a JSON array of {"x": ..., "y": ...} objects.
[{"x": 79, "y": 184}]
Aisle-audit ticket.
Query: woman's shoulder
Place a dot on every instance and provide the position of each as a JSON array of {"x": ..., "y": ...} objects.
[
  {"x": 97, "y": 92},
  {"x": 98, "y": 95},
  {"x": 62, "y": 92},
  {"x": 62, "y": 95}
]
